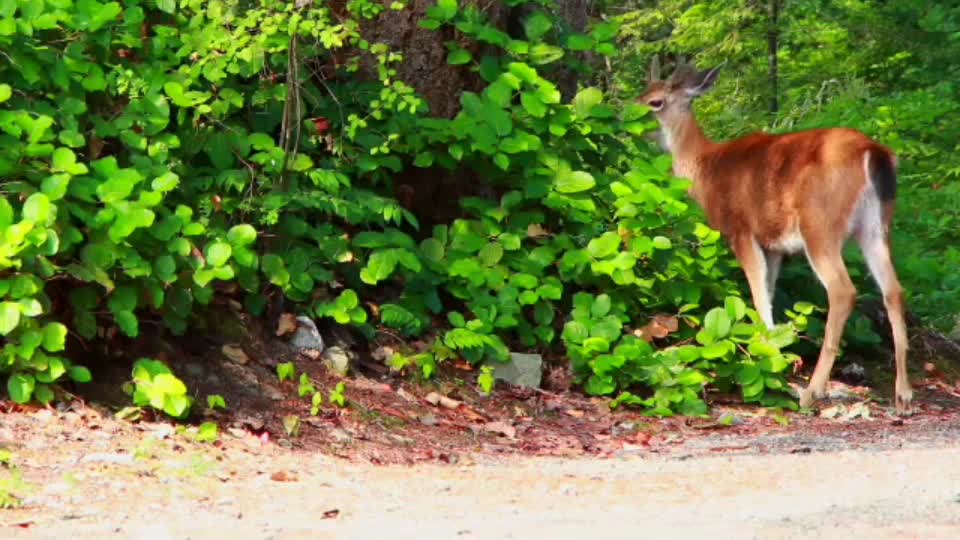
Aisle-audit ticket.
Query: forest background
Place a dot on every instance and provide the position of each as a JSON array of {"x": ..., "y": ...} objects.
[{"x": 471, "y": 177}]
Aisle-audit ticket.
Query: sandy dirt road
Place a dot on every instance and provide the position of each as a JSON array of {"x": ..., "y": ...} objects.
[{"x": 910, "y": 493}]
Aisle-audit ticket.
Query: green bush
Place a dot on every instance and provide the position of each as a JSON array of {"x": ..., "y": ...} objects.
[{"x": 157, "y": 154}]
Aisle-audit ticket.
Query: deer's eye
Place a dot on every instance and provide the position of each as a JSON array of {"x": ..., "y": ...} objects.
[{"x": 655, "y": 104}]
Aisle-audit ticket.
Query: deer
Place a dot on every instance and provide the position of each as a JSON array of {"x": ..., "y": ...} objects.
[{"x": 772, "y": 195}]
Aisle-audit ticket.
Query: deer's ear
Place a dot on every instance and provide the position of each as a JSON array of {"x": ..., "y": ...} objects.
[
  {"x": 654, "y": 74},
  {"x": 703, "y": 82}
]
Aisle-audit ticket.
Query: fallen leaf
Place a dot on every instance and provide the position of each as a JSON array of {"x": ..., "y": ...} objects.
[
  {"x": 436, "y": 399},
  {"x": 291, "y": 424},
  {"x": 857, "y": 410},
  {"x": 406, "y": 396},
  {"x": 535, "y": 230},
  {"x": 830, "y": 412},
  {"x": 932, "y": 370},
  {"x": 382, "y": 353},
  {"x": 235, "y": 353},
  {"x": 287, "y": 324},
  {"x": 283, "y": 476},
  {"x": 321, "y": 124},
  {"x": 659, "y": 327},
  {"x": 472, "y": 414},
  {"x": 501, "y": 428}
]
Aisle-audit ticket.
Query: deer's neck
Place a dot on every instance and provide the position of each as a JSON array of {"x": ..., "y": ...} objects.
[{"x": 687, "y": 143}]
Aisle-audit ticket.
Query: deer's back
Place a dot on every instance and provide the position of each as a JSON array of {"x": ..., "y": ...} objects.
[{"x": 768, "y": 185}]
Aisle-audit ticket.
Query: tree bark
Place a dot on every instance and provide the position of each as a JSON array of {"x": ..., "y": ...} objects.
[{"x": 773, "y": 45}]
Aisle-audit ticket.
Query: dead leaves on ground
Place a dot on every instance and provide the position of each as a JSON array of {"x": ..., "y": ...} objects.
[
  {"x": 287, "y": 324},
  {"x": 660, "y": 326}
]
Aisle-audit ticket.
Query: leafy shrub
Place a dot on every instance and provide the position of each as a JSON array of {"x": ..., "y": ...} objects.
[{"x": 164, "y": 153}]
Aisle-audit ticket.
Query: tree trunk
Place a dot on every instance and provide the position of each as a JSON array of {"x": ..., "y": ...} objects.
[
  {"x": 424, "y": 65},
  {"x": 773, "y": 35},
  {"x": 576, "y": 14}
]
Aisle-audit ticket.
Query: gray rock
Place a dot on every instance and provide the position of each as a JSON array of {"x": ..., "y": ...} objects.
[
  {"x": 522, "y": 370},
  {"x": 307, "y": 337},
  {"x": 337, "y": 360},
  {"x": 113, "y": 459}
]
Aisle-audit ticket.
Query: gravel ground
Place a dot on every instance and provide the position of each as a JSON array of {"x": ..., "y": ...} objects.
[{"x": 176, "y": 490}]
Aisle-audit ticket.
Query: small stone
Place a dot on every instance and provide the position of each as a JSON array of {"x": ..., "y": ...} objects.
[
  {"x": 272, "y": 393},
  {"x": 337, "y": 360},
  {"x": 382, "y": 353},
  {"x": 340, "y": 435},
  {"x": 306, "y": 336},
  {"x": 312, "y": 354},
  {"x": 436, "y": 399},
  {"x": 400, "y": 439},
  {"x": 853, "y": 371},
  {"x": 113, "y": 459},
  {"x": 521, "y": 370},
  {"x": 428, "y": 419},
  {"x": 235, "y": 353},
  {"x": 283, "y": 476},
  {"x": 194, "y": 370},
  {"x": 162, "y": 431}
]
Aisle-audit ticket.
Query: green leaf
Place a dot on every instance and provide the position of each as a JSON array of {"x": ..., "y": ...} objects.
[
  {"x": 574, "y": 181},
  {"x": 167, "y": 181},
  {"x": 37, "y": 208},
  {"x": 717, "y": 322},
  {"x": 20, "y": 387},
  {"x": 64, "y": 160},
  {"x": 604, "y": 246},
  {"x": 662, "y": 242},
  {"x": 532, "y": 104},
  {"x": 586, "y": 100},
  {"x": 456, "y": 319},
  {"x": 43, "y": 393},
  {"x": 9, "y": 317},
  {"x": 217, "y": 253},
  {"x": 537, "y": 25},
  {"x": 379, "y": 267},
  {"x": 491, "y": 253},
  {"x": 459, "y": 56},
  {"x": 445, "y": 10},
  {"x": 286, "y": 371},
  {"x": 717, "y": 349},
  {"x": 5, "y": 92},
  {"x": 128, "y": 323},
  {"x": 79, "y": 374},
  {"x": 241, "y": 235},
  {"x": 736, "y": 308},
  {"x": 54, "y": 337},
  {"x": 600, "y": 386},
  {"x": 167, "y": 6},
  {"x": 165, "y": 268},
  {"x": 747, "y": 374},
  {"x": 432, "y": 249},
  {"x": 601, "y": 306}
]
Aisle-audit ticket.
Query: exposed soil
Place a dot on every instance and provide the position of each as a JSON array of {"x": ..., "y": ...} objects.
[{"x": 487, "y": 465}]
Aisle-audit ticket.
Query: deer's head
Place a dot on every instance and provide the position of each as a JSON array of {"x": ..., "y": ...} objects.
[{"x": 671, "y": 99}]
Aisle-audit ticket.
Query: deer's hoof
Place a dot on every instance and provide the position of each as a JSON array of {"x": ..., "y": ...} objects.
[{"x": 903, "y": 401}]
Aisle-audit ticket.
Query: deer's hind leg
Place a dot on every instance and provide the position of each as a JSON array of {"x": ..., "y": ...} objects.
[
  {"x": 827, "y": 262},
  {"x": 754, "y": 262},
  {"x": 875, "y": 244}
]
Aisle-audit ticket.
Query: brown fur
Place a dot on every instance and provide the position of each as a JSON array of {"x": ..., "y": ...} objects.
[{"x": 774, "y": 194}]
